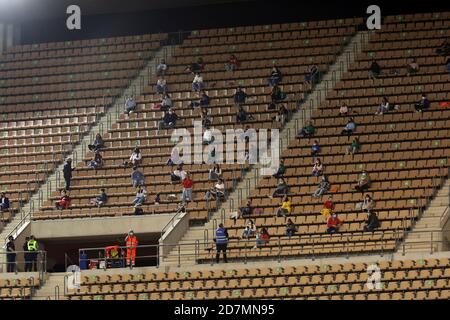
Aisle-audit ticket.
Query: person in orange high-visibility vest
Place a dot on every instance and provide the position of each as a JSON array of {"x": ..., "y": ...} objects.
[{"x": 131, "y": 243}]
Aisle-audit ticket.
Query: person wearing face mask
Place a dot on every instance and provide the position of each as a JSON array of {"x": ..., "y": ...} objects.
[
  {"x": 333, "y": 224},
  {"x": 131, "y": 243}
]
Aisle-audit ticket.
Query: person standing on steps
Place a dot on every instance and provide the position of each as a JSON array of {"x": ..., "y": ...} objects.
[
  {"x": 11, "y": 255},
  {"x": 67, "y": 173},
  {"x": 221, "y": 240}
]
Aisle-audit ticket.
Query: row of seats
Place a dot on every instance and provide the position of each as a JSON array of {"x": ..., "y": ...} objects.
[{"x": 399, "y": 280}]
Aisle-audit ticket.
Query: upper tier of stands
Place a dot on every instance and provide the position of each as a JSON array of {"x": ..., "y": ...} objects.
[
  {"x": 291, "y": 47},
  {"x": 60, "y": 89}
]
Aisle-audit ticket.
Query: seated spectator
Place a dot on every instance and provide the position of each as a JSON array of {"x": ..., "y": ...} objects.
[
  {"x": 312, "y": 76},
  {"x": 447, "y": 64},
  {"x": 208, "y": 137},
  {"x": 315, "y": 149},
  {"x": 262, "y": 238},
  {"x": 366, "y": 204},
  {"x": 307, "y": 132},
  {"x": 249, "y": 230},
  {"x": 354, "y": 147},
  {"x": 285, "y": 207},
  {"x": 157, "y": 200},
  {"x": 281, "y": 170},
  {"x": 181, "y": 208},
  {"x": 233, "y": 63},
  {"x": 384, "y": 106},
  {"x": 444, "y": 48},
  {"x": 63, "y": 202},
  {"x": 178, "y": 175},
  {"x": 217, "y": 192},
  {"x": 197, "y": 83},
  {"x": 169, "y": 120},
  {"x": 187, "y": 184},
  {"x": 275, "y": 77},
  {"x": 374, "y": 70},
  {"x": 97, "y": 161},
  {"x": 97, "y": 144},
  {"x": 130, "y": 106},
  {"x": 350, "y": 127},
  {"x": 412, "y": 67},
  {"x": 141, "y": 196},
  {"x": 317, "y": 169},
  {"x": 322, "y": 188},
  {"x": 161, "y": 85},
  {"x": 166, "y": 102},
  {"x": 196, "y": 67},
  {"x": 161, "y": 68},
  {"x": 135, "y": 158},
  {"x": 206, "y": 118},
  {"x": 291, "y": 228},
  {"x": 215, "y": 173},
  {"x": 372, "y": 222},
  {"x": 4, "y": 202},
  {"x": 281, "y": 116},
  {"x": 343, "y": 109},
  {"x": 243, "y": 116},
  {"x": 423, "y": 104},
  {"x": 363, "y": 182},
  {"x": 100, "y": 199},
  {"x": 202, "y": 102},
  {"x": 247, "y": 210},
  {"x": 239, "y": 97},
  {"x": 333, "y": 224},
  {"x": 329, "y": 204},
  {"x": 276, "y": 95},
  {"x": 174, "y": 157},
  {"x": 137, "y": 178},
  {"x": 282, "y": 188}
]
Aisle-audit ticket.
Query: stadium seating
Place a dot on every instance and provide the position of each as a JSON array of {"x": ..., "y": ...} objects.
[
  {"x": 18, "y": 289},
  {"x": 60, "y": 89},
  {"x": 400, "y": 280},
  {"x": 258, "y": 48},
  {"x": 405, "y": 153}
]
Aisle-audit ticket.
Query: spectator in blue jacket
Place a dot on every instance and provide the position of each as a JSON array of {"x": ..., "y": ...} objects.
[
  {"x": 4, "y": 202},
  {"x": 239, "y": 97},
  {"x": 137, "y": 178},
  {"x": 101, "y": 199},
  {"x": 221, "y": 240},
  {"x": 350, "y": 127}
]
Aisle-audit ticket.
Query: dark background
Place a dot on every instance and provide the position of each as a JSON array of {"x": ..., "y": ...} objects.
[{"x": 45, "y": 20}]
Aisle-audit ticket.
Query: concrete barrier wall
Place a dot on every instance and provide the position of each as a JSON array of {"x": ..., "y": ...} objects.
[{"x": 95, "y": 227}]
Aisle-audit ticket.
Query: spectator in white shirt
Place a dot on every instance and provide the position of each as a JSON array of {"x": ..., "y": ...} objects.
[
  {"x": 197, "y": 83},
  {"x": 130, "y": 106},
  {"x": 161, "y": 68},
  {"x": 208, "y": 137},
  {"x": 161, "y": 86},
  {"x": 135, "y": 158}
]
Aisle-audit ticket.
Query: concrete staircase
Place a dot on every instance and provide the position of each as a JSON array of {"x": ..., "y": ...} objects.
[
  {"x": 53, "y": 288},
  {"x": 104, "y": 123},
  {"x": 429, "y": 228},
  {"x": 251, "y": 178}
]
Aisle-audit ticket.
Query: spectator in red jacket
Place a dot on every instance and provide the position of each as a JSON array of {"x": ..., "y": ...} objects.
[
  {"x": 63, "y": 202},
  {"x": 333, "y": 224},
  {"x": 329, "y": 204},
  {"x": 233, "y": 63},
  {"x": 187, "y": 184}
]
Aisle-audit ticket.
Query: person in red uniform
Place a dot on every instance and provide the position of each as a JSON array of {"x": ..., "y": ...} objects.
[{"x": 131, "y": 243}]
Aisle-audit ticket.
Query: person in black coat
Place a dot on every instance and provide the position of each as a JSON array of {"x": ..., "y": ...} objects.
[
  {"x": 67, "y": 172},
  {"x": 11, "y": 255},
  {"x": 4, "y": 202},
  {"x": 372, "y": 222}
]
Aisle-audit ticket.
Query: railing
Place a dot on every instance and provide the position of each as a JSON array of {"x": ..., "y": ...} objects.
[{"x": 20, "y": 260}]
